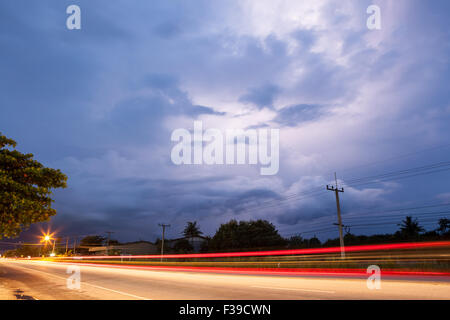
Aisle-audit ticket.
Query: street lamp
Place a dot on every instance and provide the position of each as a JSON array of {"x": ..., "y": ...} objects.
[{"x": 46, "y": 238}]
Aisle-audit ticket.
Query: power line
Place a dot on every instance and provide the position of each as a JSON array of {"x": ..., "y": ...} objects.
[
  {"x": 406, "y": 209},
  {"x": 374, "y": 214},
  {"x": 420, "y": 216},
  {"x": 415, "y": 215},
  {"x": 395, "y": 175},
  {"x": 360, "y": 226},
  {"x": 407, "y": 173},
  {"x": 400, "y": 156}
]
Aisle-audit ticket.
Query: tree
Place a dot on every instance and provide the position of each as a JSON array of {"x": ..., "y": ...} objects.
[
  {"x": 92, "y": 241},
  {"x": 314, "y": 242},
  {"x": 444, "y": 225},
  {"x": 351, "y": 239},
  {"x": 25, "y": 189},
  {"x": 183, "y": 246},
  {"x": 167, "y": 247},
  {"x": 410, "y": 228},
  {"x": 296, "y": 242},
  {"x": 10, "y": 254},
  {"x": 246, "y": 235},
  {"x": 25, "y": 251},
  {"x": 192, "y": 230}
]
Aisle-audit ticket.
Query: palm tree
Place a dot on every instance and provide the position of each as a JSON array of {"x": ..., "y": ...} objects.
[
  {"x": 192, "y": 230},
  {"x": 410, "y": 228},
  {"x": 444, "y": 225}
]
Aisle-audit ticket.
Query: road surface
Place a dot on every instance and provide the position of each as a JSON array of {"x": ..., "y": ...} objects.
[{"x": 43, "y": 280}]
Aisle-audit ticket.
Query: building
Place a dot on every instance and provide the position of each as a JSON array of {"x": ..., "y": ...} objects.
[
  {"x": 195, "y": 242},
  {"x": 130, "y": 248}
]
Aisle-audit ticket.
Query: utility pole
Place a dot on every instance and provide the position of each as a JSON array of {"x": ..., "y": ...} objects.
[
  {"x": 67, "y": 245},
  {"x": 341, "y": 236},
  {"x": 109, "y": 239},
  {"x": 75, "y": 245},
  {"x": 162, "y": 242}
]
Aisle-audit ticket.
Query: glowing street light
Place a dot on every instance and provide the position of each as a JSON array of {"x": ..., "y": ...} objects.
[{"x": 46, "y": 238}]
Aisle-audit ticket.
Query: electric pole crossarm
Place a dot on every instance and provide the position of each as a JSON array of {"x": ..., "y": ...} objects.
[{"x": 332, "y": 188}]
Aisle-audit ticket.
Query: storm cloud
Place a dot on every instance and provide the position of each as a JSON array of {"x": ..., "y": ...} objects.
[{"x": 100, "y": 103}]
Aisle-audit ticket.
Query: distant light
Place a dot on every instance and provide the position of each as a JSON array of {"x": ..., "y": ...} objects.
[
  {"x": 52, "y": 254},
  {"x": 47, "y": 238}
]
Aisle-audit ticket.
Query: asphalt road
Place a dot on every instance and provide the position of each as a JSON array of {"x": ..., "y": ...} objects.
[{"x": 42, "y": 280}]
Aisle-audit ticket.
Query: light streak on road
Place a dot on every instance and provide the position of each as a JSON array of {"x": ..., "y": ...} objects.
[
  {"x": 401, "y": 260},
  {"x": 101, "y": 281},
  {"x": 376, "y": 247}
]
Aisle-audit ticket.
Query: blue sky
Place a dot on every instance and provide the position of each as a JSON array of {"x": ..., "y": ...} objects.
[{"x": 100, "y": 103}]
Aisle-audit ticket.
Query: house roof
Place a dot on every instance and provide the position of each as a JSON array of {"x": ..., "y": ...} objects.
[
  {"x": 186, "y": 238},
  {"x": 120, "y": 246}
]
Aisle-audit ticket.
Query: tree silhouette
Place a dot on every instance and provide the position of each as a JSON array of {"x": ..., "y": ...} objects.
[
  {"x": 92, "y": 241},
  {"x": 192, "y": 230},
  {"x": 296, "y": 242},
  {"x": 183, "y": 246},
  {"x": 410, "y": 228},
  {"x": 245, "y": 235},
  {"x": 314, "y": 242},
  {"x": 444, "y": 225},
  {"x": 25, "y": 189}
]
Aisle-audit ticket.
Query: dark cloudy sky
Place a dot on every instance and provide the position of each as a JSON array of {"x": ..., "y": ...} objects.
[{"x": 100, "y": 104}]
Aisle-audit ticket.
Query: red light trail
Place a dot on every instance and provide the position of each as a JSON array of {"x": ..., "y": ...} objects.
[
  {"x": 376, "y": 247},
  {"x": 275, "y": 271}
]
